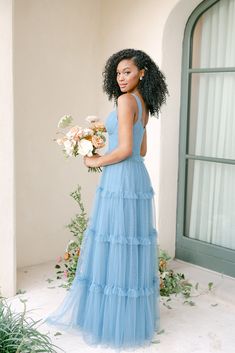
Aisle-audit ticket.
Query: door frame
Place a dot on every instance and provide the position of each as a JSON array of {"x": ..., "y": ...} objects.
[{"x": 195, "y": 251}]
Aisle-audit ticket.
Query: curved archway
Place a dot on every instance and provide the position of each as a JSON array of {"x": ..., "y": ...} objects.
[{"x": 171, "y": 65}]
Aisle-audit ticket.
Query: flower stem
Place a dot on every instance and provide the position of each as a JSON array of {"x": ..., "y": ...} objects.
[{"x": 94, "y": 169}]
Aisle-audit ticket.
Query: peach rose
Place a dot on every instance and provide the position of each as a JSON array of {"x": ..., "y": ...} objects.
[
  {"x": 99, "y": 125},
  {"x": 97, "y": 141},
  {"x": 66, "y": 256},
  {"x": 75, "y": 133}
]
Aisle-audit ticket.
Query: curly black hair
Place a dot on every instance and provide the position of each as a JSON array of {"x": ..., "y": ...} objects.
[{"x": 153, "y": 87}]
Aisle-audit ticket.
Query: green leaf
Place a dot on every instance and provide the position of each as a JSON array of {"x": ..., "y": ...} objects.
[
  {"x": 210, "y": 284},
  {"x": 57, "y": 333},
  {"x": 49, "y": 280},
  {"x": 190, "y": 302},
  {"x": 23, "y": 300},
  {"x": 20, "y": 291},
  {"x": 167, "y": 305},
  {"x": 155, "y": 341}
]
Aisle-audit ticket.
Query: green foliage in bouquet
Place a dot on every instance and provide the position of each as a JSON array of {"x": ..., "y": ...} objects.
[
  {"x": 170, "y": 282},
  {"x": 66, "y": 265},
  {"x": 19, "y": 334}
]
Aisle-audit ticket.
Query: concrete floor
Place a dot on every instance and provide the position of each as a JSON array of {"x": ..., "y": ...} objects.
[{"x": 208, "y": 326}]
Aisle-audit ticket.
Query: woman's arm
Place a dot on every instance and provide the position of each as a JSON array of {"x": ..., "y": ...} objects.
[
  {"x": 143, "y": 149},
  {"x": 126, "y": 113}
]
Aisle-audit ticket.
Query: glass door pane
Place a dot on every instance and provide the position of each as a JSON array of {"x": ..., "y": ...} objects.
[
  {"x": 212, "y": 115},
  {"x": 213, "y": 37},
  {"x": 210, "y": 203}
]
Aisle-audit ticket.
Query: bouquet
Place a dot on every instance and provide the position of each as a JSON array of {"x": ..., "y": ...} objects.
[{"x": 81, "y": 141}]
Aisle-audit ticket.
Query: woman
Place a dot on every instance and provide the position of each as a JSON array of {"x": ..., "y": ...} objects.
[{"x": 113, "y": 300}]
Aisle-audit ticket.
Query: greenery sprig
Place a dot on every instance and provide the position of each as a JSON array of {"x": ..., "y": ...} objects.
[
  {"x": 19, "y": 334},
  {"x": 66, "y": 265},
  {"x": 171, "y": 282}
]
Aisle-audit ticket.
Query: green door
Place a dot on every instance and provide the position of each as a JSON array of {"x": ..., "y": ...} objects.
[{"x": 206, "y": 183}]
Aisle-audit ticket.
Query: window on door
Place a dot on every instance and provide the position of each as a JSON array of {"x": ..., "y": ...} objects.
[{"x": 206, "y": 194}]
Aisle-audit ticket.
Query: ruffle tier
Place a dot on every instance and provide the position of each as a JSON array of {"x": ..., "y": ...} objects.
[
  {"x": 115, "y": 290},
  {"x": 125, "y": 194},
  {"x": 108, "y": 320},
  {"x": 122, "y": 239}
]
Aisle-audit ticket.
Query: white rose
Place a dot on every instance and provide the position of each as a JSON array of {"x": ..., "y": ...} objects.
[
  {"x": 85, "y": 147},
  {"x": 87, "y": 132},
  {"x": 69, "y": 146}
]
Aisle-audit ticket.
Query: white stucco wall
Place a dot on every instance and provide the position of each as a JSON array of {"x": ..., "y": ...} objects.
[
  {"x": 7, "y": 207},
  {"x": 55, "y": 49}
]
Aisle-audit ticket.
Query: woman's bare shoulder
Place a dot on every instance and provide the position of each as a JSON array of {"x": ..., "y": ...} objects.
[{"x": 126, "y": 98}]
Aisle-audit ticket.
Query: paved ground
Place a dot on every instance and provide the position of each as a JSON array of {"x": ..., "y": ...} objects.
[{"x": 208, "y": 326}]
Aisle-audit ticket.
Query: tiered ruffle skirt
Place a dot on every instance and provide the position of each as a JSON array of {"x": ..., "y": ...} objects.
[{"x": 114, "y": 298}]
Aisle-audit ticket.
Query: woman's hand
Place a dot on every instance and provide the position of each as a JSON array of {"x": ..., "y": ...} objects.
[{"x": 92, "y": 161}]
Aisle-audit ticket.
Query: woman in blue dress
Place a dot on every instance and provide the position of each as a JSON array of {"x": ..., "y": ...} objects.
[{"x": 114, "y": 298}]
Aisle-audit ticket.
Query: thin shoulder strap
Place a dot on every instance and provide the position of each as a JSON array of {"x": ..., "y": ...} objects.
[{"x": 139, "y": 106}]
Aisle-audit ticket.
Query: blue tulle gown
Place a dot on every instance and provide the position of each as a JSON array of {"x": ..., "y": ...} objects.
[{"x": 114, "y": 298}]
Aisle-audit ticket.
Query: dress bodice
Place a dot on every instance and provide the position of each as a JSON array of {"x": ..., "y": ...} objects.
[{"x": 111, "y": 124}]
